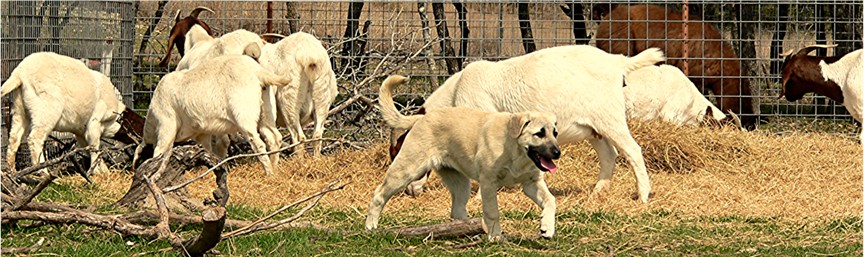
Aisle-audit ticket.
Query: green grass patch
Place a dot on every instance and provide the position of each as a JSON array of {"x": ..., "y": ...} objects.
[{"x": 661, "y": 233}]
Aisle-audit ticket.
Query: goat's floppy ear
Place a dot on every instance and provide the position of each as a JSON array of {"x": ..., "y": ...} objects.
[
  {"x": 518, "y": 121},
  {"x": 252, "y": 50}
]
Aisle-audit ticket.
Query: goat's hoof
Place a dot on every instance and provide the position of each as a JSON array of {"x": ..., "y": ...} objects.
[{"x": 635, "y": 197}]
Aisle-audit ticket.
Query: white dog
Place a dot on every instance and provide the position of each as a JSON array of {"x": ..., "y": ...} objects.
[{"x": 493, "y": 148}]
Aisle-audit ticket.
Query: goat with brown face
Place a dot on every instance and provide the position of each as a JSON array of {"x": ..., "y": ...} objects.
[
  {"x": 178, "y": 32},
  {"x": 802, "y": 75}
]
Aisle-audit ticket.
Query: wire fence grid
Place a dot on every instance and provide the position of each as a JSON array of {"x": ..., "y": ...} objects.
[{"x": 372, "y": 38}]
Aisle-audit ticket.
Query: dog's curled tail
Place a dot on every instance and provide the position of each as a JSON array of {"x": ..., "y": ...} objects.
[
  {"x": 392, "y": 116},
  {"x": 646, "y": 58}
]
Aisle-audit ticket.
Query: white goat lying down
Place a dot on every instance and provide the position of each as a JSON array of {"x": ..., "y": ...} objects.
[
  {"x": 52, "y": 92},
  {"x": 218, "y": 97},
  {"x": 580, "y": 84},
  {"x": 313, "y": 89},
  {"x": 665, "y": 93},
  {"x": 201, "y": 47}
]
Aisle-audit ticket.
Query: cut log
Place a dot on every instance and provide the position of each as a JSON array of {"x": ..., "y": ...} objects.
[
  {"x": 458, "y": 228},
  {"x": 183, "y": 159}
]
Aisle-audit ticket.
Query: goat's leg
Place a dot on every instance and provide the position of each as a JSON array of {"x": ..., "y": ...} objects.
[
  {"x": 606, "y": 153},
  {"x": 318, "y": 132},
  {"x": 20, "y": 125},
  {"x": 622, "y": 140},
  {"x": 259, "y": 147},
  {"x": 36, "y": 142},
  {"x": 205, "y": 141},
  {"x": 93, "y": 137},
  {"x": 272, "y": 139},
  {"x": 220, "y": 149}
]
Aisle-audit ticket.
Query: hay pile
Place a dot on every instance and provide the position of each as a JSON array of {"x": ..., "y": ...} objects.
[{"x": 694, "y": 172}]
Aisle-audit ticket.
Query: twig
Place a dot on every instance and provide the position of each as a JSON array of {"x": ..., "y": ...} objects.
[
  {"x": 23, "y": 250},
  {"x": 203, "y": 174},
  {"x": 254, "y": 226},
  {"x": 163, "y": 228},
  {"x": 38, "y": 189}
]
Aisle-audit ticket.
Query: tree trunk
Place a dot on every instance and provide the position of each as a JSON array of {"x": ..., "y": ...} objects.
[
  {"x": 462, "y": 12},
  {"x": 820, "y": 20},
  {"x": 181, "y": 160},
  {"x": 848, "y": 28},
  {"x": 444, "y": 34},
  {"x": 145, "y": 39},
  {"x": 424, "y": 24},
  {"x": 779, "y": 35},
  {"x": 525, "y": 28},
  {"x": 292, "y": 16},
  {"x": 580, "y": 32},
  {"x": 350, "y": 61}
]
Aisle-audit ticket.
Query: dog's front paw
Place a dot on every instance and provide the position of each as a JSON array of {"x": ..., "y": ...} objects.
[
  {"x": 496, "y": 238},
  {"x": 547, "y": 234}
]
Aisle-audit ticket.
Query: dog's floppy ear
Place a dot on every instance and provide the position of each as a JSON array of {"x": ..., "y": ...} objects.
[{"x": 518, "y": 121}]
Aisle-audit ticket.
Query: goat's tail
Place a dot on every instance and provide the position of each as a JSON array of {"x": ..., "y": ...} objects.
[
  {"x": 392, "y": 116},
  {"x": 14, "y": 82},
  {"x": 270, "y": 79},
  {"x": 312, "y": 64},
  {"x": 646, "y": 58}
]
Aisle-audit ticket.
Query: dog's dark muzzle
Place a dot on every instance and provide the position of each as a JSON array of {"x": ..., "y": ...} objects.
[{"x": 543, "y": 156}]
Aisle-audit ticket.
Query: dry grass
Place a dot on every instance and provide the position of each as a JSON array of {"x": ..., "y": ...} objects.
[{"x": 694, "y": 172}]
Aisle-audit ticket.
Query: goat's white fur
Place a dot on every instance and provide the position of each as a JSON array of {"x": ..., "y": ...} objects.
[
  {"x": 52, "y": 92},
  {"x": 846, "y": 72},
  {"x": 201, "y": 47},
  {"x": 581, "y": 85},
  {"x": 665, "y": 93},
  {"x": 218, "y": 97},
  {"x": 313, "y": 89}
]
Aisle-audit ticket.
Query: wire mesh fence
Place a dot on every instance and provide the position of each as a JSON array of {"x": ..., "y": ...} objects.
[
  {"x": 99, "y": 33},
  {"x": 431, "y": 40}
]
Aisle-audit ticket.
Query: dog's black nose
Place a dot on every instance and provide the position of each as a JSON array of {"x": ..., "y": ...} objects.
[{"x": 556, "y": 153}]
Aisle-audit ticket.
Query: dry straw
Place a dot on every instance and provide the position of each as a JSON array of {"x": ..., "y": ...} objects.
[{"x": 694, "y": 171}]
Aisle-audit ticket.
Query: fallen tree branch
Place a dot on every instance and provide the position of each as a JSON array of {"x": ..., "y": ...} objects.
[
  {"x": 457, "y": 228},
  {"x": 256, "y": 225},
  {"x": 23, "y": 250},
  {"x": 38, "y": 189}
]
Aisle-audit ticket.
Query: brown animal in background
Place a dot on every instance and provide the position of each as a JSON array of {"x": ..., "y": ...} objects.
[
  {"x": 630, "y": 29},
  {"x": 178, "y": 32}
]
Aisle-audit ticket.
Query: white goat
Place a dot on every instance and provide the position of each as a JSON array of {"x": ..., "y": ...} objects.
[
  {"x": 665, "y": 93},
  {"x": 302, "y": 57},
  {"x": 201, "y": 47},
  {"x": 52, "y": 92},
  {"x": 846, "y": 72},
  {"x": 218, "y": 97},
  {"x": 580, "y": 84}
]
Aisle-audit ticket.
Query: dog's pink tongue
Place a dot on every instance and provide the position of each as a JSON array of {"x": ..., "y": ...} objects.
[{"x": 548, "y": 164}]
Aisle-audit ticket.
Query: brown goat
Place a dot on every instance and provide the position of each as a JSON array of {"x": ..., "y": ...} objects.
[
  {"x": 802, "y": 74},
  {"x": 178, "y": 32},
  {"x": 630, "y": 29}
]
